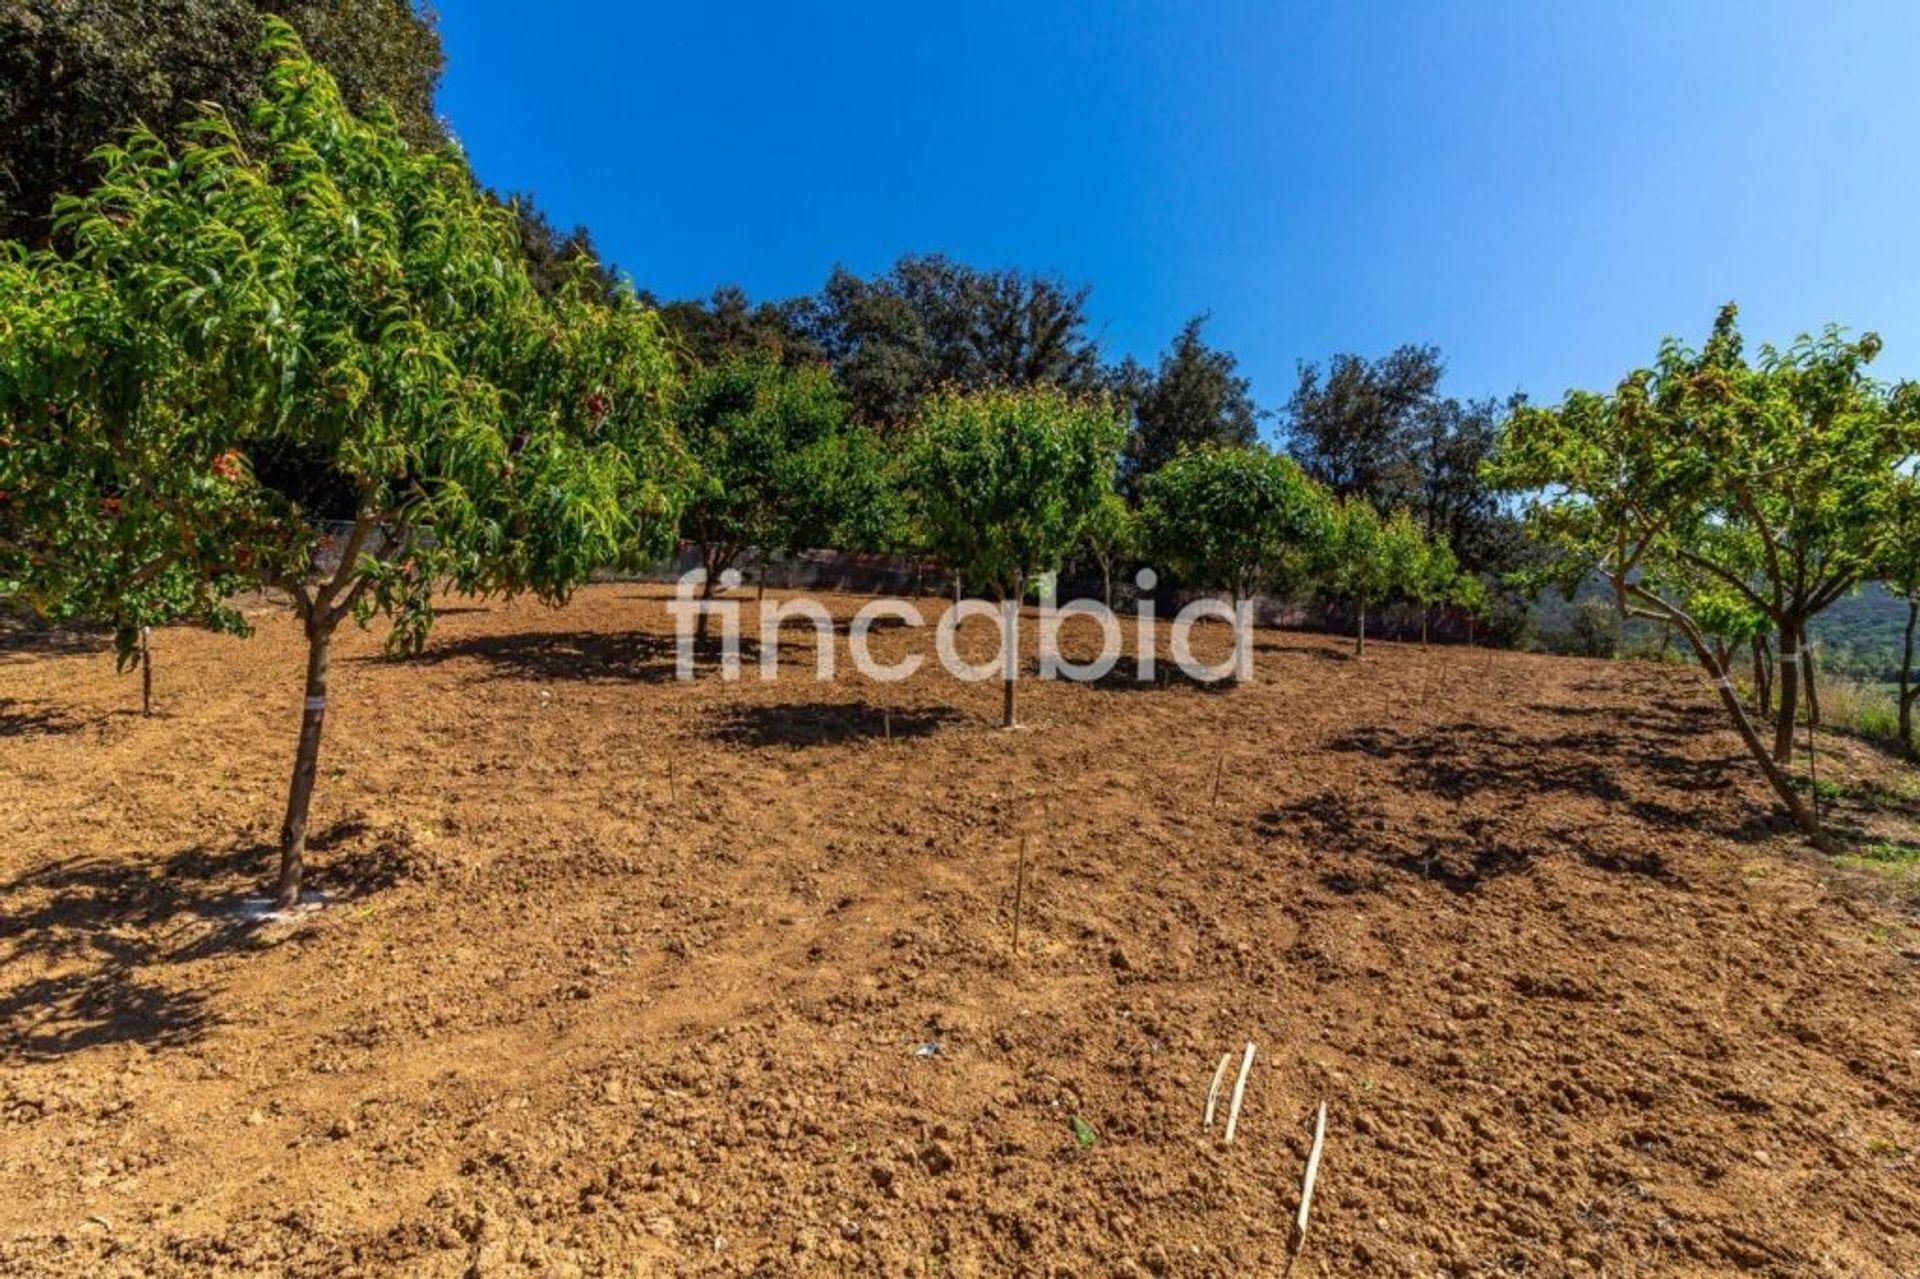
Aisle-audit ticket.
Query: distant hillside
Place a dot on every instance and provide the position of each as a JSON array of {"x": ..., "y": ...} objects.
[
  {"x": 1859, "y": 638},
  {"x": 1861, "y": 635}
]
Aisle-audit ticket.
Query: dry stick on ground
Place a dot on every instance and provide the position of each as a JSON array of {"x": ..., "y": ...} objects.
[
  {"x": 673, "y": 791},
  {"x": 1213, "y": 1089},
  {"x": 1219, "y": 769},
  {"x": 1313, "y": 1171},
  {"x": 1239, "y": 1092},
  {"x": 1019, "y": 891},
  {"x": 886, "y": 717}
]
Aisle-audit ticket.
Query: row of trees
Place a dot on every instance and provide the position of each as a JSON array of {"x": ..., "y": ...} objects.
[{"x": 1733, "y": 500}]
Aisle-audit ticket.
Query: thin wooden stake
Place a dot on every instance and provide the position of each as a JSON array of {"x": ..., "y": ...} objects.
[
  {"x": 1213, "y": 1089},
  {"x": 673, "y": 790},
  {"x": 1239, "y": 1092},
  {"x": 1219, "y": 770},
  {"x": 1313, "y": 1171},
  {"x": 1019, "y": 893},
  {"x": 887, "y": 721}
]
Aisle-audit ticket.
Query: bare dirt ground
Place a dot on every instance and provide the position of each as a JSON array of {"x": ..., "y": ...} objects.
[{"x": 628, "y": 976}]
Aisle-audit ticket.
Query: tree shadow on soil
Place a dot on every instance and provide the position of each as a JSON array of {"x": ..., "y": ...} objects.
[
  {"x": 824, "y": 723},
  {"x": 26, "y": 637},
  {"x": 111, "y": 926},
  {"x": 1324, "y": 652},
  {"x": 17, "y": 719},
  {"x": 1125, "y": 678},
  {"x": 1467, "y": 760},
  {"x": 570, "y": 655},
  {"x": 1461, "y": 861}
]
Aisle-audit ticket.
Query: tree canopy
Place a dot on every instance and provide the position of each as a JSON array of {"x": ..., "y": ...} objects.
[
  {"x": 1232, "y": 519},
  {"x": 1194, "y": 397},
  {"x": 78, "y": 74},
  {"x": 778, "y": 465},
  {"x": 326, "y": 324},
  {"x": 931, "y": 323},
  {"x": 1005, "y": 480}
]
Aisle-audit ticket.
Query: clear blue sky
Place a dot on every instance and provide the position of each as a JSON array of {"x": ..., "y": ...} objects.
[{"x": 1542, "y": 189}]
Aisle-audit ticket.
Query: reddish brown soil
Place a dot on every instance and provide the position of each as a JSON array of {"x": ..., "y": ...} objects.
[{"x": 1574, "y": 1005}]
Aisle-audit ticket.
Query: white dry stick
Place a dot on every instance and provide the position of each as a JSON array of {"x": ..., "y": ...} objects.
[
  {"x": 1213, "y": 1090},
  {"x": 1239, "y": 1092},
  {"x": 1313, "y": 1171}
]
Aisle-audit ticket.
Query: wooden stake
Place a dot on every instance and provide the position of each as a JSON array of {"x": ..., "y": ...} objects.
[
  {"x": 1313, "y": 1171},
  {"x": 673, "y": 791},
  {"x": 1239, "y": 1092},
  {"x": 1019, "y": 892},
  {"x": 887, "y": 721},
  {"x": 1219, "y": 770},
  {"x": 146, "y": 670},
  {"x": 1213, "y": 1089}
]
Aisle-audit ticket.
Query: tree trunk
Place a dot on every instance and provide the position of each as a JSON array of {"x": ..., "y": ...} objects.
[
  {"x": 1762, "y": 677},
  {"x": 1106, "y": 586},
  {"x": 1360, "y": 632},
  {"x": 707, "y": 588},
  {"x": 293, "y": 836},
  {"x": 1807, "y": 679},
  {"x": 1010, "y": 651},
  {"x": 1424, "y": 611},
  {"x": 1803, "y": 817},
  {"x": 1788, "y": 709},
  {"x": 1908, "y": 691},
  {"x": 956, "y": 586},
  {"x": 146, "y": 670}
]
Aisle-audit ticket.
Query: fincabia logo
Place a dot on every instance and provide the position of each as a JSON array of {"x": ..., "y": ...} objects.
[{"x": 696, "y": 615}]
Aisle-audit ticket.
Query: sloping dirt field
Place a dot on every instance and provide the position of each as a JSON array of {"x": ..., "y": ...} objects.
[{"x": 622, "y": 975}]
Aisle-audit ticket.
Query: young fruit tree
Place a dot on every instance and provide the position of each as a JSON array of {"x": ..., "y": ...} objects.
[
  {"x": 1234, "y": 519},
  {"x": 1432, "y": 578},
  {"x": 1772, "y": 480},
  {"x": 328, "y": 326},
  {"x": 777, "y": 464},
  {"x": 1112, "y": 534},
  {"x": 1355, "y": 563},
  {"x": 1004, "y": 481}
]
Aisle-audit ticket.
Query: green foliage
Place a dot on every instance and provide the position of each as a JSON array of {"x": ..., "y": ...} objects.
[
  {"x": 1195, "y": 397},
  {"x": 1354, "y": 561},
  {"x": 779, "y": 468},
  {"x": 1005, "y": 480},
  {"x": 729, "y": 325},
  {"x": 931, "y": 323},
  {"x": 1233, "y": 519},
  {"x": 330, "y": 324},
  {"x": 1771, "y": 480},
  {"x": 77, "y": 74},
  {"x": 1112, "y": 534}
]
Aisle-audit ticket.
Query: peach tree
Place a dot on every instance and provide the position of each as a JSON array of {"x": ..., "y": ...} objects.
[
  {"x": 1770, "y": 481},
  {"x": 776, "y": 465},
  {"x": 314, "y": 365},
  {"x": 1232, "y": 518},
  {"x": 1004, "y": 482}
]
